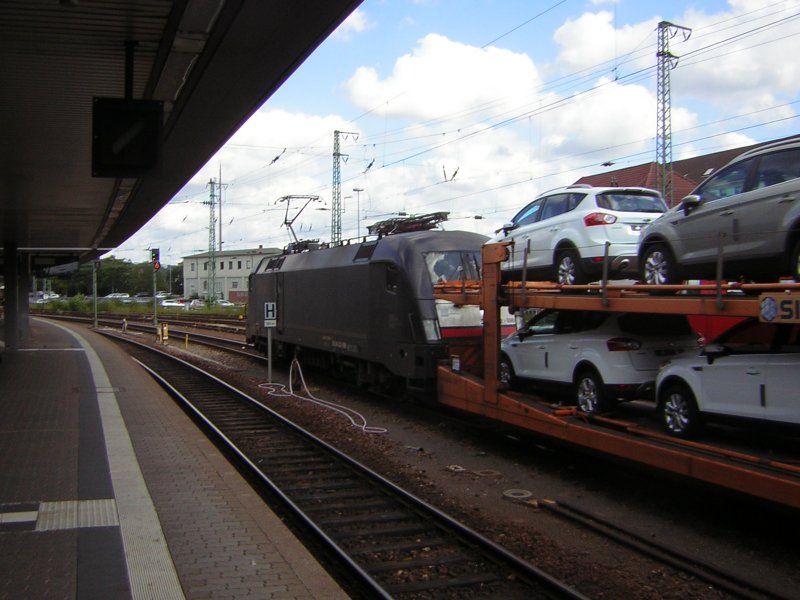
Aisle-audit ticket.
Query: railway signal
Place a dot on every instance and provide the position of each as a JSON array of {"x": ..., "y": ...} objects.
[{"x": 155, "y": 258}]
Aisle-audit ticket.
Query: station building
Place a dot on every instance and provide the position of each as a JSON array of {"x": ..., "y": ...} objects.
[{"x": 232, "y": 268}]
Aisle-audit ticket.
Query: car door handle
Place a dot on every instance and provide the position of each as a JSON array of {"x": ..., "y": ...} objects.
[
  {"x": 726, "y": 213},
  {"x": 786, "y": 198},
  {"x": 753, "y": 371},
  {"x": 573, "y": 346},
  {"x": 541, "y": 347}
]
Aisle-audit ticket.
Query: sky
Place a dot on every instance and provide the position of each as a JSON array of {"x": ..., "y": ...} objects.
[{"x": 474, "y": 107}]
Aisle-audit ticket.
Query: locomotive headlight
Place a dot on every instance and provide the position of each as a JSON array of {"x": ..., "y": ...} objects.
[{"x": 431, "y": 327}]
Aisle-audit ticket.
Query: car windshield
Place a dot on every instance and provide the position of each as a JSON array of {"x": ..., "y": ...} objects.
[
  {"x": 759, "y": 337},
  {"x": 565, "y": 321},
  {"x": 627, "y": 201}
]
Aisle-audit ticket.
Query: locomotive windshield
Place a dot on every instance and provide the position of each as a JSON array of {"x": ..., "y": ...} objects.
[{"x": 453, "y": 265}]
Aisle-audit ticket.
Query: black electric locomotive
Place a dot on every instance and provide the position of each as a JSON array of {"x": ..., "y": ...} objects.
[{"x": 367, "y": 309}]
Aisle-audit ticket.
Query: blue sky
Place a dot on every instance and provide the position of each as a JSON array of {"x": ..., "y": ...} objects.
[{"x": 475, "y": 106}]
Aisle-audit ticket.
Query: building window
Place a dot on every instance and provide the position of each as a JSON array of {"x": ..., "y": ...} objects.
[
  {"x": 234, "y": 284},
  {"x": 248, "y": 265},
  {"x": 239, "y": 265},
  {"x": 192, "y": 267},
  {"x": 205, "y": 266},
  {"x": 205, "y": 285},
  {"x": 230, "y": 265},
  {"x": 222, "y": 265}
]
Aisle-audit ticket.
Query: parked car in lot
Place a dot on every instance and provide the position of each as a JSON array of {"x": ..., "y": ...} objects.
[
  {"x": 749, "y": 372},
  {"x": 123, "y": 297},
  {"x": 599, "y": 357},
  {"x": 562, "y": 234},
  {"x": 748, "y": 213},
  {"x": 174, "y": 303}
]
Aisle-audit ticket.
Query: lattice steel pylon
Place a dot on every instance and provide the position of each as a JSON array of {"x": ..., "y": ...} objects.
[
  {"x": 336, "y": 192},
  {"x": 212, "y": 243},
  {"x": 666, "y": 62}
]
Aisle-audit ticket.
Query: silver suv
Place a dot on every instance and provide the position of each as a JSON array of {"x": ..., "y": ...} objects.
[
  {"x": 562, "y": 235},
  {"x": 747, "y": 215}
]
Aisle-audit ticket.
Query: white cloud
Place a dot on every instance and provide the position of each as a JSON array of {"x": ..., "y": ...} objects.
[
  {"x": 590, "y": 41},
  {"x": 444, "y": 79},
  {"x": 356, "y": 23}
]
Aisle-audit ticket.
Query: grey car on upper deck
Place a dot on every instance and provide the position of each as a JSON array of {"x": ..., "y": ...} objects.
[{"x": 741, "y": 222}]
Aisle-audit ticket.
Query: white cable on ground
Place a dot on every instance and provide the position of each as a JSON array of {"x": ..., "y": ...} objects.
[{"x": 279, "y": 390}]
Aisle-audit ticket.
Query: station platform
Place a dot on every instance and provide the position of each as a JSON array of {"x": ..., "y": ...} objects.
[{"x": 108, "y": 490}]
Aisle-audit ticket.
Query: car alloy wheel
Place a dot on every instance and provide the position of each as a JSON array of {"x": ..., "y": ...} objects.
[
  {"x": 679, "y": 411},
  {"x": 505, "y": 375},
  {"x": 658, "y": 267},
  {"x": 568, "y": 270},
  {"x": 589, "y": 392}
]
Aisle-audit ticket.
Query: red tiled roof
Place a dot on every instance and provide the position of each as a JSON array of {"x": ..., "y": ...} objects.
[
  {"x": 641, "y": 176},
  {"x": 686, "y": 174}
]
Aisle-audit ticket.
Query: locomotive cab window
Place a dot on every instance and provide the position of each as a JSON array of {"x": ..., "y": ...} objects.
[{"x": 452, "y": 266}]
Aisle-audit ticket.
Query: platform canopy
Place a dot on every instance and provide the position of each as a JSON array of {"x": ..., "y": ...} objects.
[{"x": 108, "y": 107}]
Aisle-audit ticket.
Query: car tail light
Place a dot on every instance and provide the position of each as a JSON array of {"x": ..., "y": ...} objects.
[
  {"x": 598, "y": 218},
  {"x": 623, "y": 344}
]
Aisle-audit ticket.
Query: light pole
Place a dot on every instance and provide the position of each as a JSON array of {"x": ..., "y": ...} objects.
[{"x": 358, "y": 210}]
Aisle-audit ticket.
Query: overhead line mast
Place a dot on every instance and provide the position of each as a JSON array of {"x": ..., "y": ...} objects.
[
  {"x": 212, "y": 244},
  {"x": 666, "y": 62},
  {"x": 336, "y": 192}
]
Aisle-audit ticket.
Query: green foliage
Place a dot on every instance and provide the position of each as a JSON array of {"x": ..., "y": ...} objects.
[
  {"x": 117, "y": 275},
  {"x": 78, "y": 303}
]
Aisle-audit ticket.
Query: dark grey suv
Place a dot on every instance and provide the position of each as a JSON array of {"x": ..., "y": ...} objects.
[{"x": 747, "y": 214}]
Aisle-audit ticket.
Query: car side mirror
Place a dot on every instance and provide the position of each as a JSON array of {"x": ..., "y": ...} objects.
[
  {"x": 507, "y": 227},
  {"x": 689, "y": 203},
  {"x": 714, "y": 351}
]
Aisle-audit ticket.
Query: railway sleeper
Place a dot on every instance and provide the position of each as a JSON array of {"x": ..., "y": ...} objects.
[
  {"x": 369, "y": 532},
  {"x": 392, "y": 516},
  {"x": 370, "y": 504},
  {"x": 418, "y": 545},
  {"x": 439, "y": 584},
  {"x": 418, "y": 563}
]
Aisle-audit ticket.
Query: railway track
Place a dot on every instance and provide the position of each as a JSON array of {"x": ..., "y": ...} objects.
[
  {"x": 391, "y": 544},
  {"x": 727, "y": 581}
]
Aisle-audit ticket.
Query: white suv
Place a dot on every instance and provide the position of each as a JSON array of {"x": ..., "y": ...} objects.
[
  {"x": 562, "y": 235},
  {"x": 749, "y": 373},
  {"x": 599, "y": 357}
]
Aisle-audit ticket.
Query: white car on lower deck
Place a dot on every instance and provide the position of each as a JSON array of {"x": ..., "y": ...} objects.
[
  {"x": 749, "y": 373},
  {"x": 599, "y": 357}
]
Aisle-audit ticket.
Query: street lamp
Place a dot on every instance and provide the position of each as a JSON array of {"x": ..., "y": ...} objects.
[{"x": 358, "y": 210}]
